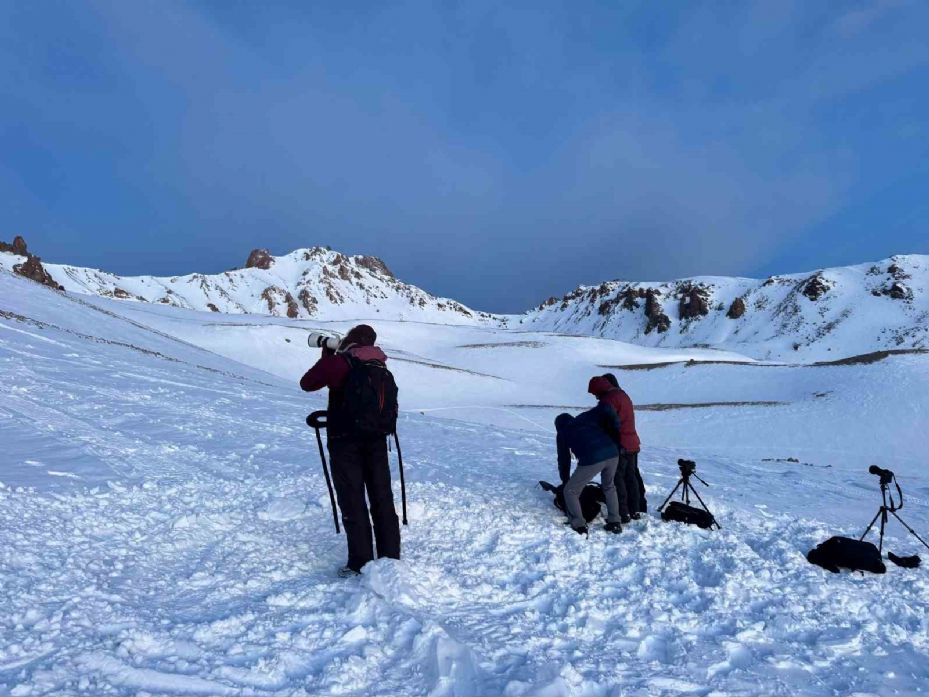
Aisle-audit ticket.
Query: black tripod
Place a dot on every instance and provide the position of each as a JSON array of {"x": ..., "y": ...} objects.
[
  {"x": 319, "y": 420},
  {"x": 688, "y": 470},
  {"x": 886, "y": 478}
]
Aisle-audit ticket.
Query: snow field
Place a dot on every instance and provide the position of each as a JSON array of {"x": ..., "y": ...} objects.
[
  {"x": 190, "y": 548},
  {"x": 223, "y": 587}
]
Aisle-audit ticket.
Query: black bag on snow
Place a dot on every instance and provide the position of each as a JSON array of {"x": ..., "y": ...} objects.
[
  {"x": 369, "y": 405},
  {"x": 591, "y": 497},
  {"x": 846, "y": 553},
  {"x": 680, "y": 512}
]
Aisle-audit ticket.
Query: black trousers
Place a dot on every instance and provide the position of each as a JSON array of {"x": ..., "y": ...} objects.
[
  {"x": 630, "y": 489},
  {"x": 360, "y": 465}
]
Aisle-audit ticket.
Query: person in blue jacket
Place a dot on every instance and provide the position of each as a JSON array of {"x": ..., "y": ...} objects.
[{"x": 593, "y": 437}]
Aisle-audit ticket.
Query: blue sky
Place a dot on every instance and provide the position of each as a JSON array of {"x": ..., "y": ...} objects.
[{"x": 496, "y": 154}]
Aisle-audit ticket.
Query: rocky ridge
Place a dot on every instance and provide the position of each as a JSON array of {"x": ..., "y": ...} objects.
[
  {"x": 813, "y": 316},
  {"x": 868, "y": 307},
  {"x": 312, "y": 283}
]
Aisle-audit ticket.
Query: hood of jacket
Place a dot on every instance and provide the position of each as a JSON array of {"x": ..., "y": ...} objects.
[
  {"x": 367, "y": 353},
  {"x": 599, "y": 386}
]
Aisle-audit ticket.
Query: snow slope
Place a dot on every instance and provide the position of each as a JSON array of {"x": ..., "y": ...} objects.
[
  {"x": 697, "y": 399},
  {"x": 822, "y": 315},
  {"x": 315, "y": 282},
  {"x": 165, "y": 531}
]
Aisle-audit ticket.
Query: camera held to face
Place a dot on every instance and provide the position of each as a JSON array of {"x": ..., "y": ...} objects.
[{"x": 320, "y": 340}]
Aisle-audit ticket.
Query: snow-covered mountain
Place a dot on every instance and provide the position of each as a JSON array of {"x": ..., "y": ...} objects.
[
  {"x": 811, "y": 316},
  {"x": 821, "y": 315},
  {"x": 313, "y": 283}
]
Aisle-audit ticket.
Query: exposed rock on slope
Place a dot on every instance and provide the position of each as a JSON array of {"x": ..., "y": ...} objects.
[
  {"x": 259, "y": 259},
  {"x": 736, "y": 309},
  {"x": 18, "y": 247},
  {"x": 31, "y": 267},
  {"x": 823, "y": 315},
  {"x": 657, "y": 319},
  {"x": 309, "y": 283}
]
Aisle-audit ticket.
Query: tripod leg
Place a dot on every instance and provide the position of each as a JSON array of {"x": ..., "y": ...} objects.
[
  {"x": 718, "y": 526},
  {"x": 880, "y": 546},
  {"x": 870, "y": 525},
  {"x": 679, "y": 482},
  {"x": 322, "y": 456},
  {"x": 910, "y": 530}
]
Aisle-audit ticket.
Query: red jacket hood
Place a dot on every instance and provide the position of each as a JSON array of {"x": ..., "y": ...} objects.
[
  {"x": 368, "y": 353},
  {"x": 599, "y": 386}
]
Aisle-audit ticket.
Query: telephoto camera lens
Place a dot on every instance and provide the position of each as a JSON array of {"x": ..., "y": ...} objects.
[{"x": 319, "y": 340}]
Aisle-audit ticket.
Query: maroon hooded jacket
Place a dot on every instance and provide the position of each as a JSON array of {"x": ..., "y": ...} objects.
[{"x": 601, "y": 388}]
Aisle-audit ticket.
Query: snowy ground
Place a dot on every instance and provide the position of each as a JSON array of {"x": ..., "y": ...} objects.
[{"x": 164, "y": 526}]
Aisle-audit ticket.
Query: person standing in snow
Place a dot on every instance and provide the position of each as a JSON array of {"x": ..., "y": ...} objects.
[
  {"x": 592, "y": 436},
  {"x": 629, "y": 486},
  {"x": 359, "y": 461}
]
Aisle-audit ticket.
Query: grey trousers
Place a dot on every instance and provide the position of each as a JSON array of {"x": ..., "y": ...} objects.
[{"x": 576, "y": 484}]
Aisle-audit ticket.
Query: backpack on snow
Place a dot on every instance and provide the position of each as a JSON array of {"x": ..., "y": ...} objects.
[
  {"x": 591, "y": 497},
  {"x": 680, "y": 512},
  {"x": 369, "y": 405},
  {"x": 847, "y": 553}
]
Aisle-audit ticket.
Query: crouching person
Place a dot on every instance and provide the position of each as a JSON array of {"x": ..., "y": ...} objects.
[
  {"x": 592, "y": 437},
  {"x": 358, "y": 455}
]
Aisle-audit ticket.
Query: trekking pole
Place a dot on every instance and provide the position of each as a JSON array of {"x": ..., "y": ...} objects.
[
  {"x": 402, "y": 480},
  {"x": 316, "y": 421}
]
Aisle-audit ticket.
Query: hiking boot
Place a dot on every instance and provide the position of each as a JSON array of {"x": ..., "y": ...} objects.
[
  {"x": 636, "y": 516},
  {"x": 581, "y": 530},
  {"x": 348, "y": 572},
  {"x": 614, "y": 528},
  {"x": 624, "y": 519}
]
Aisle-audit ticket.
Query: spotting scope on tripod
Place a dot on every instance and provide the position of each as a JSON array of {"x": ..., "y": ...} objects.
[
  {"x": 888, "y": 505},
  {"x": 681, "y": 511}
]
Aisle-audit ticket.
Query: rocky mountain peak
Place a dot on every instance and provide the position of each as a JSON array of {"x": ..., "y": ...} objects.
[
  {"x": 259, "y": 259},
  {"x": 18, "y": 247}
]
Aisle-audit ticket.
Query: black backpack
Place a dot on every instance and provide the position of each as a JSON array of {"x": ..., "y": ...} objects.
[
  {"x": 680, "y": 512},
  {"x": 847, "y": 553},
  {"x": 591, "y": 497},
  {"x": 369, "y": 405}
]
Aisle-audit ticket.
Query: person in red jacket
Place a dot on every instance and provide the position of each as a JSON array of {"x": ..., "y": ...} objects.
[
  {"x": 629, "y": 485},
  {"x": 359, "y": 462}
]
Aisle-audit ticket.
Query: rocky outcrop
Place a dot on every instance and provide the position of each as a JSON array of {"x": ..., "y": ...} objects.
[
  {"x": 815, "y": 287},
  {"x": 18, "y": 247},
  {"x": 736, "y": 309},
  {"x": 276, "y": 297},
  {"x": 259, "y": 259},
  {"x": 374, "y": 265},
  {"x": 898, "y": 291},
  {"x": 212, "y": 308},
  {"x": 32, "y": 269},
  {"x": 694, "y": 303},
  {"x": 308, "y": 301},
  {"x": 897, "y": 273},
  {"x": 657, "y": 319}
]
